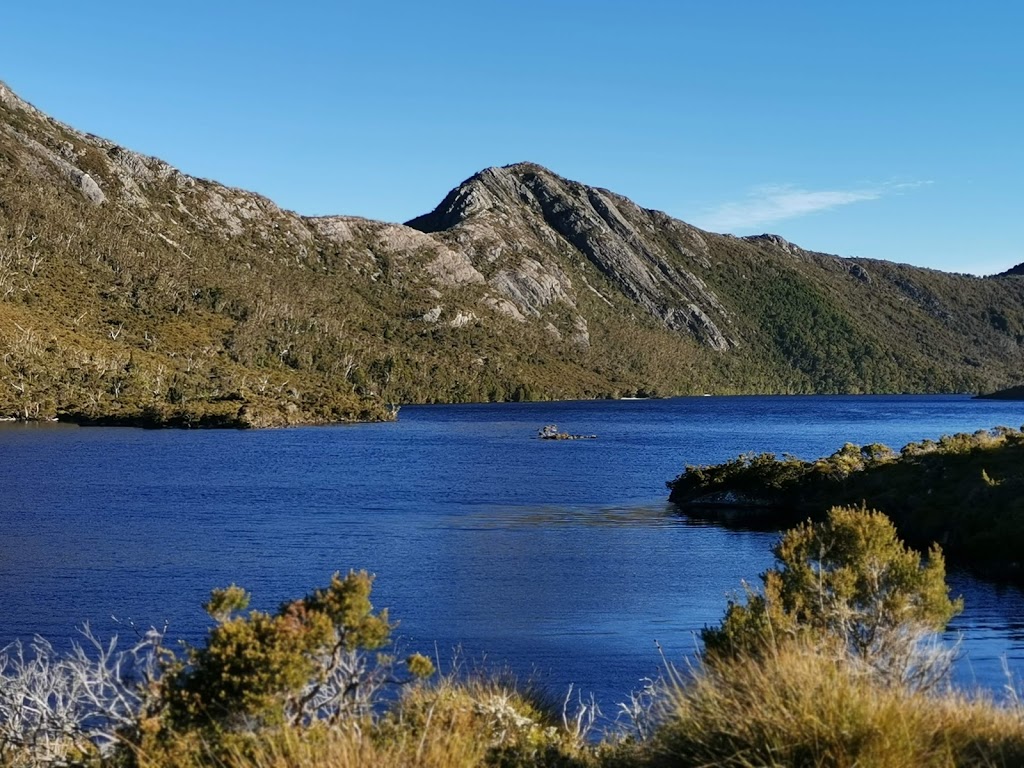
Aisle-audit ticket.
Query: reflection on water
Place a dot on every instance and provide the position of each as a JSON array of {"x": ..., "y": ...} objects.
[
  {"x": 652, "y": 515},
  {"x": 557, "y": 558},
  {"x": 991, "y": 634}
]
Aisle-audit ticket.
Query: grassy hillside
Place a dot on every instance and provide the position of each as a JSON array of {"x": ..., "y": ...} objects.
[{"x": 133, "y": 293}]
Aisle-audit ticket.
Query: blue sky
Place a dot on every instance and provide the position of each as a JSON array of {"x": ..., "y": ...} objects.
[{"x": 890, "y": 130}]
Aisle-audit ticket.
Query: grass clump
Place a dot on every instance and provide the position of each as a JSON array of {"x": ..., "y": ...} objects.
[
  {"x": 800, "y": 706},
  {"x": 454, "y": 722},
  {"x": 833, "y": 663}
]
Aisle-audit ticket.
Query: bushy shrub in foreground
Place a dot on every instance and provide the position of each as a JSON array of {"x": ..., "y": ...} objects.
[
  {"x": 308, "y": 661},
  {"x": 833, "y": 664},
  {"x": 851, "y": 584}
]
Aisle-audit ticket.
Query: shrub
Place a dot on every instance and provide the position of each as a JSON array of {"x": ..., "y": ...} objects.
[
  {"x": 309, "y": 661},
  {"x": 848, "y": 580},
  {"x": 55, "y": 707},
  {"x": 494, "y": 721}
]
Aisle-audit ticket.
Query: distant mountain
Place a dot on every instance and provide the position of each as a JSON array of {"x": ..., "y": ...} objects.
[{"x": 132, "y": 292}]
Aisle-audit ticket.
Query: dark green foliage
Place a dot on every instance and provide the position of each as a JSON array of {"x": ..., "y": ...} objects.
[
  {"x": 303, "y": 663},
  {"x": 963, "y": 491},
  {"x": 1010, "y": 393},
  {"x": 761, "y": 474}
]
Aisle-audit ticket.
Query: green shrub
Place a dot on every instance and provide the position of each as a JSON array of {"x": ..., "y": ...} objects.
[
  {"x": 848, "y": 581},
  {"x": 308, "y": 661}
]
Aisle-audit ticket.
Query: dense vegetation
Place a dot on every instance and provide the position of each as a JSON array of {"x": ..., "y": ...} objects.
[
  {"x": 132, "y": 293},
  {"x": 965, "y": 491},
  {"x": 1010, "y": 393},
  {"x": 831, "y": 664}
]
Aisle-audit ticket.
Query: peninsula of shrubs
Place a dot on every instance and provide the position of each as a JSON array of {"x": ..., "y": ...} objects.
[{"x": 964, "y": 491}]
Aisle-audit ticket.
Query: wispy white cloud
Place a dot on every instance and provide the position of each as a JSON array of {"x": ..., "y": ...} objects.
[{"x": 772, "y": 203}]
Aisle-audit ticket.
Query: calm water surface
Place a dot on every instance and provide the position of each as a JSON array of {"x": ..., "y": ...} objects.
[{"x": 559, "y": 559}]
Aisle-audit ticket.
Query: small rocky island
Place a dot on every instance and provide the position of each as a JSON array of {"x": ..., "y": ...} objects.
[{"x": 550, "y": 432}]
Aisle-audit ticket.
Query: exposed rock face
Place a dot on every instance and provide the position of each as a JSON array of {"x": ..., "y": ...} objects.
[
  {"x": 580, "y": 333},
  {"x": 452, "y": 268},
  {"x": 778, "y": 242},
  {"x": 396, "y": 242},
  {"x": 461, "y": 319},
  {"x": 81, "y": 180},
  {"x": 860, "y": 273},
  {"x": 699, "y": 324},
  {"x": 549, "y": 222},
  {"x": 505, "y": 307},
  {"x": 532, "y": 287}
]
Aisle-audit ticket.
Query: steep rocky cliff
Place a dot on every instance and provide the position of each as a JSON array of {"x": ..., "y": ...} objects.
[
  {"x": 132, "y": 292},
  {"x": 528, "y": 228}
]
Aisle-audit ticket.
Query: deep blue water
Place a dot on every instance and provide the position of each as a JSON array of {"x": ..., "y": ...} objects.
[{"x": 560, "y": 559}]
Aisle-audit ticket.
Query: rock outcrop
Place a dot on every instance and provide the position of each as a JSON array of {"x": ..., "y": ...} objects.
[{"x": 537, "y": 225}]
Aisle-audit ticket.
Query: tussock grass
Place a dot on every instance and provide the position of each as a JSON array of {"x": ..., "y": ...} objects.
[
  {"x": 347, "y": 748},
  {"x": 802, "y": 707},
  {"x": 509, "y": 724},
  {"x": 798, "y": 706},
  {"x": 452, "y": 723}
]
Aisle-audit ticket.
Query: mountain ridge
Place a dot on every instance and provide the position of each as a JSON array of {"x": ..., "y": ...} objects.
[{"x": 133, "y": 293}]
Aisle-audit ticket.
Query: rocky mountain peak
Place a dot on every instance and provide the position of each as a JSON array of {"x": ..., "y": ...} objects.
[
  {"x": 480, "y": 193},
  {"x": 545, "y": 220}
]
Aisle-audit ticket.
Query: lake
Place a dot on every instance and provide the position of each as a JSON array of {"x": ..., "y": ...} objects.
[{"x": 556, "y": 559}]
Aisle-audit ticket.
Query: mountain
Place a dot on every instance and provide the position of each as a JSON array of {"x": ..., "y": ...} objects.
[{"x": 133, "y": 293}]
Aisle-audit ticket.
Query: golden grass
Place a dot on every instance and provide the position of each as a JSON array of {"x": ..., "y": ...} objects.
[
  {"x": 353, "y": 748},
  {"x": 800, "y": 707},
  {"x": 449, "y": 724}
]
